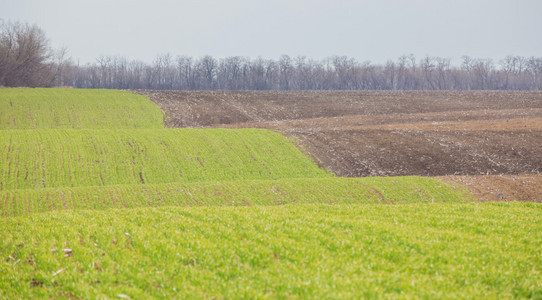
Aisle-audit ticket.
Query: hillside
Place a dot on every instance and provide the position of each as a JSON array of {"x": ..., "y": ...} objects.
[
  {"x": 390, "y": 133},
  {"x": 77, "y": 109},
  {"x": 279, "y": 192},
  {"x": 134, "y": 210},
  {"x": 54, "y": 158}
]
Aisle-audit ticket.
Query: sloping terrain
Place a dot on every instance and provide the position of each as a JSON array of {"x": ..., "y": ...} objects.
[
  {"x": 350, "y": 191},
  {"x": 209, "y": 108},
  {"x": 237, "y": 213},
  {"x": 383, "y": 133},
  {"x": 500, "y": 187},
  {"x": 77, "y": 109},
  {"x": 33, "y": 159},
  {"x": 401, "y": 152}
]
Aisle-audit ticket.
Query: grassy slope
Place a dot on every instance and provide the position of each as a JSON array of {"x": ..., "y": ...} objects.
[
  {"x": 233, "y": 193},
  {"x": 33, "y": 159},
  {"x": 309, "y": 251},
  {"x": 76, "y": 108}
]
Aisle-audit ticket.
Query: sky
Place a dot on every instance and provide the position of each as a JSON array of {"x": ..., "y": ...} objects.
[{"x": 367, "y": 30}]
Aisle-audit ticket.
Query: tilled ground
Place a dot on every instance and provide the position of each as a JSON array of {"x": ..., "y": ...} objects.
[
  {"x": 209, "y": 108},
  {"x": 385, "y": 133},
  {"x": 358, "y": 153},
  {"x": 500, "y": 187}
]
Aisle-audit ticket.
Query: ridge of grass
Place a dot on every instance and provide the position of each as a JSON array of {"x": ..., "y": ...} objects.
[
  {"x": 41, "y": 108},
  {"x": 388, "y": 190},
  {"x": 34, "y": 159}
]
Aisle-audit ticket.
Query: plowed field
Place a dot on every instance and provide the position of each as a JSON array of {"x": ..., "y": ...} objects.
[
  {"x": 386, "y": 133},
  {"x": 99, "y": 200}
]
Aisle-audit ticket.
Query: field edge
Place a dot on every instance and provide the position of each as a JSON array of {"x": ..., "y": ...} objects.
[{"x": 332, "y": 190}]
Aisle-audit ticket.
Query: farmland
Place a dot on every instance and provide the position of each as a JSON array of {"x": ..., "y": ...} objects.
[
  {"x": 396, "y": 190},
  {"x": 297, "y": 251},
  {"x": 98, "y": 199},
  {"x": 56, "y": 158},
  {"x": 387, "y": 133},
  {"x": 74, "y": 108}
]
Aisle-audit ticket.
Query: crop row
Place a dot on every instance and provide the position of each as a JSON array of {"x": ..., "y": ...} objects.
[
  {"x": 470, "y": 250},
  {"x": 33, "y": 159},
  {"x": 75, "y": 108},
  {"x": 390, "y": 190}
]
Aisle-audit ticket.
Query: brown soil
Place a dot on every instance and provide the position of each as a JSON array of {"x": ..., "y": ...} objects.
[
  {"x": 364, "y": 122},
  {"x": 501, "y": 187},
  {"x": 358, "y": 153},
  {"x": 208, "y": 108},
  {"x": 386, "y": 133}
]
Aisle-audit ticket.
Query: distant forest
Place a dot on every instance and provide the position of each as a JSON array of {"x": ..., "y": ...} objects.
[{"x": 27, "y": 60}]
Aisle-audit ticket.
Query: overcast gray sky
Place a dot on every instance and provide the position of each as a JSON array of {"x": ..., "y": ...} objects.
[{"x": 374, "y": 30}]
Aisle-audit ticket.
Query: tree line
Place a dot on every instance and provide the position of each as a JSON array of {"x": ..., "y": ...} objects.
[
  {"x": 300, "y": 73},
  {"x": 27, "y": 60}
]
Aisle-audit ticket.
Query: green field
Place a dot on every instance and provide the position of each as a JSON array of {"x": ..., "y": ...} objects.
[
  {"x": 489, "y": 251},
  {"x": 396, "y": 190},
  {"x": 99, "y": 200},
  {"x": 76, "y": 108},
  {"x": 33, "y": 159}
]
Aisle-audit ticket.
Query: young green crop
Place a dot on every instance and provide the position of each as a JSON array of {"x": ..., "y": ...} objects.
[
  {"x": 489, "y": 250},
  {"x": 233, "y": 193},
  {"x": 76, "y": 108},
  {"x": 33, "y": 159},
  {"x": 300, "y": 231}
]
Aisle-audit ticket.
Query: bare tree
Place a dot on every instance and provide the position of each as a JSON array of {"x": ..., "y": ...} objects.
[
  {"x": 344, "y": 69},
  {"x": 62, "y": 68},
  {"x": 390, "y": 75},
  {"x": 208, "y": 67},
  {"x": 534, "y": 69},
  {"x": 443, "y": 73},
  {"x": 336, "y": 72},
  {"x": 165, "y": 73},
  {"x": 286, "y": 71},
  {"x": 185, "y": 66},
  {"x": 25, "y": 56},
  {"x": 482, "y": 69},
  {"x": 428, "y": 68}
]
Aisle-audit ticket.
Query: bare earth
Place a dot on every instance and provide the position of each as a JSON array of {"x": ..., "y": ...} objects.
[
  {"x": 456, "y": 134},
  {"x": 500, "y": 187}
]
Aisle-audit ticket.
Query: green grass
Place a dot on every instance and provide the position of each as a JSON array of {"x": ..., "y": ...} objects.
[
  {"x": 222, "y": 213},
  {"x": 233, "y": 193},
  {"x": 76, "y": 108},
  {"x": 489, "y": 250},
  {"x": 33, "y": 159}
]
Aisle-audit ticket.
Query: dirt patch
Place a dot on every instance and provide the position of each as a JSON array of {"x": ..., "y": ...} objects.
[
  {"x": 382, "y": 133},
  {"x": 389, "y": 133},
  {"x": 509, "y": 119},
  {"x": 208, "y": 108},
  {"x": 491, "y": 125},
  {"x": 359, "y": 153},
  {"x": 501, "y": 187}
]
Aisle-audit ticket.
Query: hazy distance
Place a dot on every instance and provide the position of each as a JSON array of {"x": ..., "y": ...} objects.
[{"x": 367, "y": 30}]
